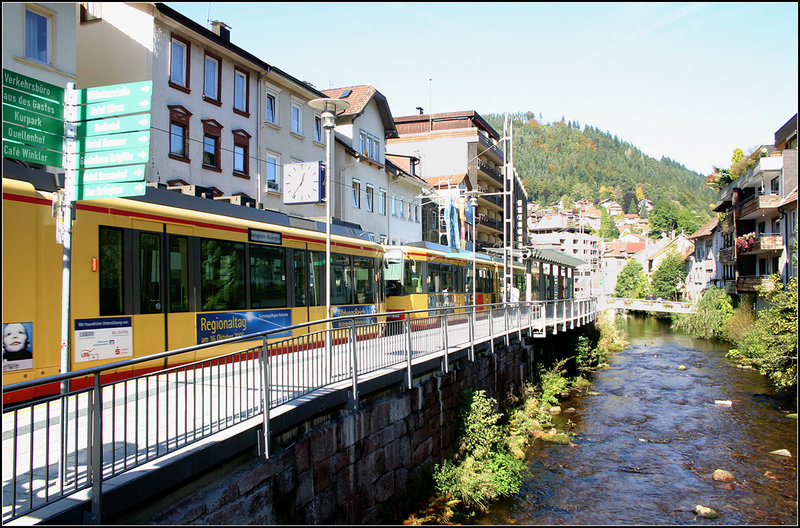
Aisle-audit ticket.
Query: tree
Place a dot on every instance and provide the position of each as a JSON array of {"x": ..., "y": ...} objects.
[
  {"x": 666, "y": 278},
  {"x": 633, "y": 208},
  {"x": 631, "y": 282},
  {"x": 608, "y": 229},
  {"x": 663, "y": 218}
]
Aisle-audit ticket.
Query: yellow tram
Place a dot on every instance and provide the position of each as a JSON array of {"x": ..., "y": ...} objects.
[{"x": 164, "y": 271}]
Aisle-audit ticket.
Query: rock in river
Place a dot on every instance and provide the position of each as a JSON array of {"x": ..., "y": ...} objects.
[
  {"x": 721, "y": 475},
  {"x": 558, "y": 438},
  {"x": 781, "y": 452},
  {"x": 703, "y": 511}
]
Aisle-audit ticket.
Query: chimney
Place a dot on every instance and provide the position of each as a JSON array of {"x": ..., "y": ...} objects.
[{"x": 221, "y": 29}]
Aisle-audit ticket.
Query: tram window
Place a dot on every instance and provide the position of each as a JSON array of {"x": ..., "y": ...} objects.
[
  {"x": 267, "y": 277},
  {"x": 178, "y": 274},
  {"x": 222, "y": 275},
  {"x": 149, "y": 273},
  {"x": 300, "y": 279},
  {"x": 411, "y": 280},
  {"x": 111, "y": 271},
  {"x": 316, "y": 284},
  {"x": 365, "y": 283},
  {"x": 341, "y": 286}
]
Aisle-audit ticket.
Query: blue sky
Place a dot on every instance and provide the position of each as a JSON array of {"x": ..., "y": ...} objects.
[{"x": 688, "y": 81}]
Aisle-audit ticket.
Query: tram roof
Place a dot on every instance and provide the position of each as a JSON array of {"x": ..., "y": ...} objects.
[
  {"x": 158, "y": 194},
  {"x": 550, "y": 256}
]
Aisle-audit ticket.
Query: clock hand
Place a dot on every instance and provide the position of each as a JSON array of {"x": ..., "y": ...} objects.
[{"x": 294, "y": 194}]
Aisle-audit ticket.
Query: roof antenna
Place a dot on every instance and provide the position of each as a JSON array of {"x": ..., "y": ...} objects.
[{"x": 208, "y": 15}]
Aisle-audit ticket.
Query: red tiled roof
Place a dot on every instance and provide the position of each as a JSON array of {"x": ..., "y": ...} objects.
[
  {"x": 706, "y": 229},
  {"x": 438, "y": 181},
  {"x": 358, "y": 97}
]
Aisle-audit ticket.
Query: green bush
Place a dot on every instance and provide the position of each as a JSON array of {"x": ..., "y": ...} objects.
[
  {"x": 483, "y": 469},
  {"x": 711, "y": 316}
]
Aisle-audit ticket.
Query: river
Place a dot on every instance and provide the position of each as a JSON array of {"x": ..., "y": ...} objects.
[{"x": 649, "y": 436}]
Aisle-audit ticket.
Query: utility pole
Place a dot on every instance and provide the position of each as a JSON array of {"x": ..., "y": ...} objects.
[{"x": 508, "y": 200}]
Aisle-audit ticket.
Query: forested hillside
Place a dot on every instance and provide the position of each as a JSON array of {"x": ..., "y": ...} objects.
[{"x": 564, "y": 160}]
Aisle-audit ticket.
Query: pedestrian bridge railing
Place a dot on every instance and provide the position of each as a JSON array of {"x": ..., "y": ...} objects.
[
  {"x": 58, "y": 446},
  {"x": 650, "y": 305}
]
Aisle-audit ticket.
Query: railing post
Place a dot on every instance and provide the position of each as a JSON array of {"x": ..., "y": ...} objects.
[
  {"x": 491, "y": 328},
  {"x": 354, "y": 362},
  {"x": 265, "y": 394},
  {"x": 445, "y": 364},
  {"x": 471, "y": 323},
  {"x": 96, "y": 467},
  {"x": 505, "y": 322},
  {"x": 408, "y": 349}
]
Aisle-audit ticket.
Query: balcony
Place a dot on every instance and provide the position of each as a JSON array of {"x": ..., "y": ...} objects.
[
  {"x": 726, "y": 226},
  {"x": 748, "y": 283},
  {"x": 758, "y": 205},
  {"x": 766, "y": 167},
  {"x": 766, "y": 243},
  {"x": 489, "y": 147},
  {"x": 490, "y": 171},
  {"x": 491, "y": 223},
  {"x": 726, "y": 255}
]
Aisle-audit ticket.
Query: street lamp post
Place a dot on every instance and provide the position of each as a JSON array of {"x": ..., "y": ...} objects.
[
  {"x": 473, "y": 200},
  {"x": 329, "y": 108}
]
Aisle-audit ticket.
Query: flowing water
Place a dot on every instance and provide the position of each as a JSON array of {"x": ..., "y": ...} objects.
[{"x": 649, "y": 436}]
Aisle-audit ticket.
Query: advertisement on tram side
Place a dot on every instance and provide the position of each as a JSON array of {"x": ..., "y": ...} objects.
[{"x": 224, "y": 325}]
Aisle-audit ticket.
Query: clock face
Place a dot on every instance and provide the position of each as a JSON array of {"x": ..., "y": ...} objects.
[{"x": 302, "y": 182}]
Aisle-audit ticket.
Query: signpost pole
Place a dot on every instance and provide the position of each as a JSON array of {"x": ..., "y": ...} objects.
[{"x": 64, "y": 222}]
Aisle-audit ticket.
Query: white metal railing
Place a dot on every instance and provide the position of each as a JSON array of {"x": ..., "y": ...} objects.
[
  {"x": 657, "y": 305},
  {"x": 57, "y": 446}
]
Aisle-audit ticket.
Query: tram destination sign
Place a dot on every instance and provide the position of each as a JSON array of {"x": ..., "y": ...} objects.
[
  {"x": 128, "y": 173},
  {"x": 109, "y": 190}
]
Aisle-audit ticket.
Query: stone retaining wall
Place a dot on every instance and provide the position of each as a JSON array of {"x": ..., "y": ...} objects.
[{"x": 356, "y": 469}]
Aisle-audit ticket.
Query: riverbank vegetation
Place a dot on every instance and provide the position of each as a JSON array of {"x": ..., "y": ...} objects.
[
  {"x": 488, "y": 462},
  {"x": 765, "y": 340}
]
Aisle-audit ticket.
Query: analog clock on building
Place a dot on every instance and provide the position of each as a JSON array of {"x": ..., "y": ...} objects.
[{"x": 302, "y": 182}]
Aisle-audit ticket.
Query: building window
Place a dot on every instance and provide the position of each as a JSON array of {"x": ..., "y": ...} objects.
[
  {"x": 91, "y": 11},
  {"x": 179, "y": 133},
  {"x": 179, "y": 64},
  {"x": 402, "y": 209},
  {"x": 212, "y": 132},
  {"x": 369, "y": 146},
  {"x": 394, "y": 206},
  {"x": 318, "y": 129},
  {"x": 271, "y": 109},
  {"x": 241, "y": 153},
  {"x": 370, "y": 197},
  {"x": 212, "y": 80},
  {"x": 382, "y": 201},
  {"x": 37, "y": 36},
  {"x": 356, "y": 194},
  {"x": 297, "y": 119},
  {"x": 241, "y": 92},
  {"x": 273, "y": 178}
]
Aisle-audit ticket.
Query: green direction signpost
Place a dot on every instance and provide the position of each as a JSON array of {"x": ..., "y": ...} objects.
[
  {"x": 114, "y": 125},
  {"x": 33, "y": 86},
  {"x": 113, "y": 157},
  {"x": 33, "y": 137},
  {"x": 115, "y": 91},
  {"x": 91, "y": 191},
  {"x": 115, "y": 141},
  {"x": 33, "y": 124},
  {"x": 31, "y": 154},
  {"x": 116, "y": 107},
  {"x": 128, "y": 173}
]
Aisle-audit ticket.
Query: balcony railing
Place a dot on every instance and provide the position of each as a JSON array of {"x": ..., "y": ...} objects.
[
  {"x": 748, "y": 283},
  {"x": 491, "y": 171},
  {"x": 766, "y": 242},
  {"x": 490, "y": 222},
  {"x": 491, "y": 147},
  {"x": 726, "y": 255},
  {"x": 758, "y": 204}
]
